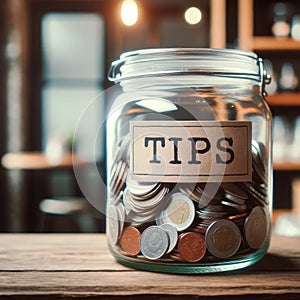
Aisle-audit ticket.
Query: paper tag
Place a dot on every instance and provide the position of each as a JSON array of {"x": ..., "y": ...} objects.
[{"x": 191, "y": 151}]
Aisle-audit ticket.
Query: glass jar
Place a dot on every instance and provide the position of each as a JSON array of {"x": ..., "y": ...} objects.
[{"x": 189, "y": 161}]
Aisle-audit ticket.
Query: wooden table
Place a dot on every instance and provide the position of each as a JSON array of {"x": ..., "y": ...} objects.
[
  {"x": 68, "y": 266},
  {"x": 39, "y": 161}
]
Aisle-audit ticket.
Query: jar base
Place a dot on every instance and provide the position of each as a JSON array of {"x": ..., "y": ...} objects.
[{"x": 192, "y": 268}]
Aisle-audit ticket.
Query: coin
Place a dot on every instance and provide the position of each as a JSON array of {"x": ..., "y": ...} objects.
[
  {"x": 154, "y": 242},
  {"x": 199, "y": 228},
  {"x": 234, "y": 193},
  {"x": 139, "y": 188},
  {"x": 210, "y": 191},
  {"x": 256, "y": 228},
  {"x": 179, "y": 212},
  {"x": 256, "y": 196},
  {"x": 173, "y": 235},
  {"x": 223, "y": 238},
  {"x": 212, "y": 212},
  {"x": 120, "y": 179},
  {"x": 114, "y": 178},
  {"x": 215, "y": 210},
  {"x": 202, "y": 193},
  {"x": 122, "y": 151},
  {"x": 259, "y": 161},
  {"x": 146, "y": 210},
  {"x": 191, "y": 246},
  {"x": 238, "y": 207},
  {"x": 113, "y": 224},
  {"x": 122, "y": 215},
  {"x": 130, "y": 241},
  {"x": 238, "y": 219}
]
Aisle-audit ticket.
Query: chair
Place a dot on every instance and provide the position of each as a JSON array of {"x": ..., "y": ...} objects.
[{"x": 74, "y": 214}]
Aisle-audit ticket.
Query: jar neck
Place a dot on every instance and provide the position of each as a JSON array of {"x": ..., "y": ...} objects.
[{"x": 209, "y": 84}]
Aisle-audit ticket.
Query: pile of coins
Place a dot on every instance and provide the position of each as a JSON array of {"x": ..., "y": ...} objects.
[
  {"x": 143, "y": 201},
  {"x": 187, "y": 222}
]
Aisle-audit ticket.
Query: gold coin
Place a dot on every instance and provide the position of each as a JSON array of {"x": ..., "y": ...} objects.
[
  {"x": 223, "y": 238},
  {"x": 180, "y": 211},
  {"x": 256, "y": 228}
]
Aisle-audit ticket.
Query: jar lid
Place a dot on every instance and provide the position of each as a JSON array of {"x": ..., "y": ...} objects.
[{"x": 185, "y": 61}]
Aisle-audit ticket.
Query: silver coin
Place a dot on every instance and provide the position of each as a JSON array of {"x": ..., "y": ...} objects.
[
  {"x": 154, "y": 242},
  {"x": 234, "y": 193},
  {"x": 179, "y": 212},
  {"x": 210, "y": 191},
  {"x": 149, "y": 203},
  {"x": 263, "y": 154},
  {"x": 122, "y": 215},
  {"x": 138, "y": 219},
  {"x": 113, "y": 224},
  {"x": 262, "y": 188},
  {"x": 256, "y": 228},
  {"x": 127, "y": 200},
  {"x": 122, "y": 151},
  {"x": 147, "y": 195},
  {"x": 259, "y": 161},
  {"x": 160, "y": 218},
  {"x": 114, "y": 200},
  {"x": 120, "y": 178},
  {"x": 173, "y": 235},
  {"x": 155, "y": 191},
  {"x": 113, "y": 182},
  {"x": 214, "y": 208},
  {"x": 212, "y": 212},
  {"x": 238, "y": 207},
  {"x": 140, "y": 188},
  {"x": 211, "y": 215},
  {"x": 202, "y": 193},
  {"x": 223, "y": 238},
  {"x": 145, "y": 210},
  {"x": 124, "y": 148},
  {"x": 261, "y": 199}
]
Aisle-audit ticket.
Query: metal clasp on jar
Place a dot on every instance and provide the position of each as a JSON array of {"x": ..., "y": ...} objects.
[{"x": 265, "y": 77}]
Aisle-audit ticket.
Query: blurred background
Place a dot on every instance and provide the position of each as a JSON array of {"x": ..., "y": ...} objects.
[{"x": 54, "y": 59}]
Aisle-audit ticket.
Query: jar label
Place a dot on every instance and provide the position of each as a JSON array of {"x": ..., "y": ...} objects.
[{"x": 191, "y": 151}]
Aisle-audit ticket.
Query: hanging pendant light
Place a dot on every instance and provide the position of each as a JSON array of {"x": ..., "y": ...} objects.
[{"x": 129, "y": 12}]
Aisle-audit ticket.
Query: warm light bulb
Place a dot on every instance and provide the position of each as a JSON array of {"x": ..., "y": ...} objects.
[
  {"x": 129, "y": 12},
  {"x": 193, "y": 15}
]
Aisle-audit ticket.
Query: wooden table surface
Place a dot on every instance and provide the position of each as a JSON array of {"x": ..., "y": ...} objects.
[
  {"x": 39, "y": 161},
  {"x": 68, "y": 266}
]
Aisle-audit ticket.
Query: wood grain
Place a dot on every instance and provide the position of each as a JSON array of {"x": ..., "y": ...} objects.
[
  {"x": 284, "y": 99},
  {"x": 64, "y": 266},
  {"x": 270, "y": 43}
]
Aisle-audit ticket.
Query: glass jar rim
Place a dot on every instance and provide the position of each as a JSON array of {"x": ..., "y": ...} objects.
[{"x": 187, "y": 61}]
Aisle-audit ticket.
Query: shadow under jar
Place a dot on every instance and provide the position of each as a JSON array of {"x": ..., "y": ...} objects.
[{"x": 189, "y": 160}]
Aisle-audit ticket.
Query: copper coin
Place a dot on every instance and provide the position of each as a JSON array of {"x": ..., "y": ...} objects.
[
  {"x": 191, "y": 246},
  {"x": 130, "y": 241},
  {"x": 237, "y": 217}
]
